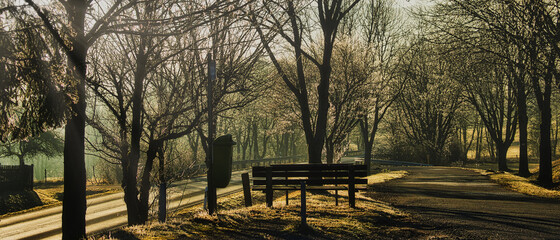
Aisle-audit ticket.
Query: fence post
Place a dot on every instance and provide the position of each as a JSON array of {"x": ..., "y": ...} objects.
[
  {"x": 287, "y": 192},
  {"x": 246, "y": 189},
  {"x": 303, "y": 206},
  {"x": 268, "y": 187},
  {"x": 45, "y": 176},
  {"x": 351, "y": 187}
]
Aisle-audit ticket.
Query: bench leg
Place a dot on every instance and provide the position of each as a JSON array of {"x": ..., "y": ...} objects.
[
  {"x": 303, "y": 206},
  {"x": 352, "y": 198},
  {"x": 268, "y": 187},
  {"x": 351, "y": 187},
  {"x": 269, "y": 198},
  {"x": 336, "y": 197}
]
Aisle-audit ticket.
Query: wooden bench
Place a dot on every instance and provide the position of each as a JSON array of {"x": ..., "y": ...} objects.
[{"x": 288, "y": 177}]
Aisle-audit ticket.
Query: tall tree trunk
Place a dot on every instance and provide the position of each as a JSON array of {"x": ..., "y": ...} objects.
[
  {"x": 162, "y": 211},
  {"x": 21, "y": 160},
  {"x": 523, "y": 123},
  {"x": 145, "y": 184},
  {"x": 264, "y": 146},
  {"x": 554, "y": 138},
  {"x": 74, "y": 199},
  {"x": 255, "y": 130},
  {"x": 129, "y": 181},
  {"x": 368, "y": 148},
  {"x": 545, "y": 164},
  {"x": 501, "y": 150},
  {"x": 478, "y": 150},
  {"x": 330, "y": 150}
]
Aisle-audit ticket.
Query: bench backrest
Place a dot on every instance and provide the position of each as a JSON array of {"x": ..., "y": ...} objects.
[{"x": 313, "y": 174}]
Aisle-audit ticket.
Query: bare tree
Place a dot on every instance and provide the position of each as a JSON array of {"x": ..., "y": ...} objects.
[
  {"x": 526, "y": 28},
  {"x": 75, "y": 43},
  {"x": 383, "y": 35},
  {"x": 427, "y": 106},
  {"x": 292, "y": 22}
]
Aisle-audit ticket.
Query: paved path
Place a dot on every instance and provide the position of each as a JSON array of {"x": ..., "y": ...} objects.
[{"x": 467, "y": 205}]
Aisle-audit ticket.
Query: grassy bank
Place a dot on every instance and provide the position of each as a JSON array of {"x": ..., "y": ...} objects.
[
  {"x": 371, "y": 219},
  {"x": 529, "y": 185}
]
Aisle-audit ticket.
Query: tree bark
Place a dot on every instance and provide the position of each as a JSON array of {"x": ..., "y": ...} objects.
[
  {"x": 145, "y": 185},
  {"x": 523, "y": 123},
  {"x": 74, "y": 199},
  {"x": 255, "y": 139},
  {"x": 162, "y": 211},
  {"x": 330, "y": 151},
  {"x": 501, "y": 150},
  {"x": 545, "y": 164},
  {"x": 129, "y": 176}
]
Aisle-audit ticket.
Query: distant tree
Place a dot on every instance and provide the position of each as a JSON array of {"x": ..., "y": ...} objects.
[
  {"x": 348, "y": 95},
  {"x": 529, "y": 30},
  {"x": 489, "y": 88},
  {"x": 383, "y": 36},
  {"x": 48, "y": 144},
  {"x": 430, "y": 99},
  {"x": 284, "y": 21}
]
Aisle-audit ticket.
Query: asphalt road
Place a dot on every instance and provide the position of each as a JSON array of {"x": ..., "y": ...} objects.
[{"x": 466, "y": 205}]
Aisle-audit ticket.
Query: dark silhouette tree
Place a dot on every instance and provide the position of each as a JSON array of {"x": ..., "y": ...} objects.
[{"x": 288, "y": 21}]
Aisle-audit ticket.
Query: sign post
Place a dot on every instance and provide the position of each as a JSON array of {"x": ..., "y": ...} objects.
[{"x": 212, "y": 197}]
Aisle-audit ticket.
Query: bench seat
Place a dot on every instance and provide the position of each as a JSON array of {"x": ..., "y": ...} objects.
[
  {"x": 263, "y": 188},
  {"x": 289, "y": 177}
]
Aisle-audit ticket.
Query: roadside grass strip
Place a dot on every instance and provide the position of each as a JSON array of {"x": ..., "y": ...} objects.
[
  {"x": 519, "y": 184},
  {"x": 371, "y": 219}
]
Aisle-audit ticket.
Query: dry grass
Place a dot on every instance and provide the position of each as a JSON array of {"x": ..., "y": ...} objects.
[
  {"x": 526, "y": 185},
  {"x": 555, "y": 172},
  {"x": 371, "y": 219}
]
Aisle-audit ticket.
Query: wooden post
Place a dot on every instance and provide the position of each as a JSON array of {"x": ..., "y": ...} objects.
[
  {"x": 268, "y": 187},
  {"x": 287, "y": 185},
  {"x": 212, "y": 196},
  {"x": 303, "y": 206},
  {"x": 246, "y": 189},
  {"x": 335, "y": 192},
  {"x": 351, "y": 187},
  {"x": 45, "y": 176}
]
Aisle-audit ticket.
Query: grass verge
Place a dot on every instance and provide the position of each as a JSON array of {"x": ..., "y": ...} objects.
[
  {"x": 371, "y": 219},
  {"x": 519, "y": 184}
]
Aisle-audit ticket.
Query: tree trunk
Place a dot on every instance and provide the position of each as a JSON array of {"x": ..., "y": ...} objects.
[
  {"x": 255, "y": 140},
  {"x": 368, "y": 148},
  {"x": 162, "y": 211},
  {"x": 545, "y": 164},
  {"x": 502, "y": 157},
  {"x": 523, "y": 122},
  {"x": 145, "y": 184},
  {"x": 554, "y": 141},
  {"x": 74, "y": 199},
  {"x": 264, "y": 146},
  {"x": 130, "y": 194},
  {"x": 129, "y": 181},
  {"x": 21, "y": 160},
  {"x": 330, "y": 151},
  {"x": 478, "y": 150}
]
